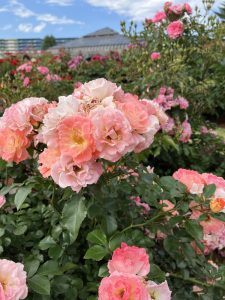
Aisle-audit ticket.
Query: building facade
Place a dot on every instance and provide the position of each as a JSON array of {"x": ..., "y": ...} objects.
[{"x": 99, "y": 42}]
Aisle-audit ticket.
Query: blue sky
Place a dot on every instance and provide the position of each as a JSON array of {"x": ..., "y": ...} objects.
[{"x": 72, "y": 18}]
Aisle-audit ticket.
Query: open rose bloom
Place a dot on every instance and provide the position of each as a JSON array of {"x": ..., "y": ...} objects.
[
  {"x": 213, "y": 229},
  {"x": 12, "y": 281},
  {"x": 128, "y": 267},
  {"x": 98, "y": 121}
]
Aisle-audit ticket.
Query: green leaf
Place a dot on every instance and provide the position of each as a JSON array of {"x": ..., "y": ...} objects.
[
  {"x": 46, "y": 243},
  {"x": 103, "y": 271},
  {"x": 209, "y": 190},
  {"x": 96, "y": 253},
  {"x": 39, "y": 284},
  {"x": 20, "y": 230},
  {"x": 194, "y": 229},
  {"x": 21, "y": 195},
  {"x": 50, "y": 267},
  {"x": 97, "y": 237},
  {"x": 156, "y": 274},
  {"x": 74, "y": 212},
  {"x": 31, "y": 265}
]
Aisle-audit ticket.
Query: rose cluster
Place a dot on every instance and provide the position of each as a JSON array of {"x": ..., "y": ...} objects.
[
  {"x": 12, "y": 280},
  {"x": 213, "y": 229},
  {"x": 98, "y": 121},
  {"x": 167, "y": 101},
  {"x": 172, "y": 13},
  {"x": 128, "y": 267}
]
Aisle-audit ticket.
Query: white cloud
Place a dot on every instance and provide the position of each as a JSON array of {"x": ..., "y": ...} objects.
[
  {"x": 60, "y": 2},
  {"x": 137, "y": 9},
  {"x": 49, "y": 18},
  {"x": 19, "y": 9},
  {"x": 28, "y": 27},
  {"x": 39, "y": 27}
]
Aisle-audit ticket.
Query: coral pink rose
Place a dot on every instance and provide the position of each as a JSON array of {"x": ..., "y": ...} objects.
[
  {"x": 75, "y": 138},
  {"x": 12, "y": 281},
  {"x": 47, "y": 159},
  {"x": 175, "y": 29},
  {"x": 136, "y": 113},
  {"x": 66, "y": 174},
  {"x": 13, "y": 145},
  {"x": 43, "y": 70},
  {"x": 168, "y": 206},
  {"x": 129, "y": 259},
  {"x": 192, "y": 179},
  {"x": 213, "y": 179},
  {"x": 155, "y": 56},
  {"x": 156, "y": 110},
  {"x": 159, "y": 17},
  {"x": 2, "y": 202},
  {"x": 159, "y": 291},
  {"x": 112, "y": 133},
  {"x": 122, "y": 287}
]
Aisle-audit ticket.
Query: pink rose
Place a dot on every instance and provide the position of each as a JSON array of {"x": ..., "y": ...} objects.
[
  {"x": 43, "y": 70},
  {"x": 112, "y": 133},
  {"x": 186, "y": 132},
  {"x": 168, "y": 206},
  {"x": 130, "y": 260},
  {"x": 159, "y": 291},
  {"x": 192, "y": 179},
  {"x": 175, "y": 29},
  {"x": 159, "y": 17},
  {"x": 66, "y": 174},
  {"x": 122, "y": 286},
  {"x": 155, "y": 56},
  {"x": 47, "y": 159},
  {"x": 12, "y": 281},
  {"x": 27, "y": 67},
  {"x": 26, "y": 81},
  {"x": 176, "y": 9},
  {"x": 188, "y": 8},
  {"x": 2, "y": 202},
  {"x": 213, "y": 179}
]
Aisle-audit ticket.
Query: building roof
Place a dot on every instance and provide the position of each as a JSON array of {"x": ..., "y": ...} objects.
[{"x": 103, "y": 37}]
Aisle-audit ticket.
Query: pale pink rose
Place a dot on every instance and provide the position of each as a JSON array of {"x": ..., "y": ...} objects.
[
  {"x": 13, "y": 145},
  {"x": 2, "y": 202},
  {"x": 155, "y": 56},
  {"x": 112, "y": 133},
  {"x": 98, "y": 89},
  {"x": 26, "y": 81},
  {"x": 188, "y": 8},
  {"x": 76, "y": 139},
  {"x": 130, "y": 260},
  {"x": 175, "y": 29},
  {"x": 213, "y": 179},
  {"x": 43, "y": 70},
  {"x": 159, "y": 291},
  {"x": 186, "y": 132},
  {"x": 66, "y": 174},
  {"x": 46, "y": 160},
  {"x": 12, "y": 280},
  {"x": 169, "y": 126},
  {"x": 27, "y": 67},
  {"x": 204, "y": 130},
  {"x": 146, "y": 139},
  {"x": 24, "y": 114},
  {"x": 67, "y": 107},
  {"x": 159, "y": 17},
  {"x": 156, "y": 110},
  {"x": 168, "y": 206},
  {"x": 122, "y": 287},
  {"x": 137, "y": 114},
  {"x": 53, "y": 77},
  {"x": 192, "y": 179}
]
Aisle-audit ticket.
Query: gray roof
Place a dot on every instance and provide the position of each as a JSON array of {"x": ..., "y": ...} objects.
[{"x": 102, "y": 37}]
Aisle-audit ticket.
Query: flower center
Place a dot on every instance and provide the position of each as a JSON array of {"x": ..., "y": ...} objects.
[{"x": 77, "y": 138}]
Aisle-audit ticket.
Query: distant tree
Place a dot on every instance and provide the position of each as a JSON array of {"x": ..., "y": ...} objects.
[
  {"x": 49, "y": 41},
  {"x": 221, "y": 12}
]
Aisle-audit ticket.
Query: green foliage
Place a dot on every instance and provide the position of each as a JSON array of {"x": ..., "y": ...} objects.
[{"x": 49, "y": 41}]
